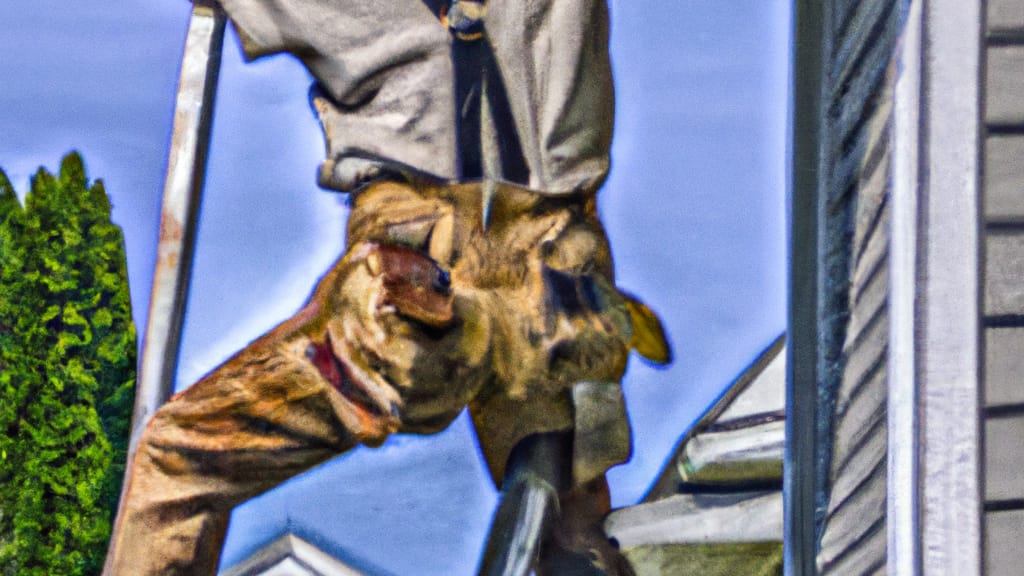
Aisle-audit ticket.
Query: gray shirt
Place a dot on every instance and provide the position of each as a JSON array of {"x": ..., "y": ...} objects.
[{"x": 387, "y": 95}]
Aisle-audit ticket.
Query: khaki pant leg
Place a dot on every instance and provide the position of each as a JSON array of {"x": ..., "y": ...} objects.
[
  {"x": 382, "y": 345},
  {"x": 256, "y": 421},
  {"x": 283, "y": 404}
]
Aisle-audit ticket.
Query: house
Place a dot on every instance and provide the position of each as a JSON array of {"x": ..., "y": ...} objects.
[
  {"x": 906, "y": 405},
  {"x": 716, "y": 509},
  {"x": 290, "y": 555},
  {"x": 904, "y": 394}
]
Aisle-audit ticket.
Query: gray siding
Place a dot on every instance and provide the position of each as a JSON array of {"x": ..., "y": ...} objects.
[
  {"x": 1004, "y": 288},
  {"x": 1004, "y": 176},
  {"x": 1005, "y": 15},
  {"x": 898, "y": 261},
  {"x": 856, "y": 224},
  {"x": 1005, "y": 82},
  {"x": 1002, "y": 536},
  {"x": 1004, "y": 272},
  {"x": 1004, "y": 367},
  {"x": 1005, "y": 435}
]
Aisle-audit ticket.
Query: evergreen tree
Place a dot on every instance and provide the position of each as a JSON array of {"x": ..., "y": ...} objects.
[{"x": 67, "y": 369}]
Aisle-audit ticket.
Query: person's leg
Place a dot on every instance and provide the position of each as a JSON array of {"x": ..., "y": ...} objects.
[
  {"x": 333, "y": 376},
  {"x": 231, "y": 436}
]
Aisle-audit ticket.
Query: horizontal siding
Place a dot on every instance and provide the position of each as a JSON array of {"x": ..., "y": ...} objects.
[
  {"x": 863, "y": 513},
  {"x": 1004, "y": 85},
  {"x": 1004, "y": 290},
  {"x": 1004, "y": 177},
  {"x": 870, "y": 453},
  {"x": 872, "y": 204},
  {"x": 1005, "y": 15},
  {"x": 1004, "y": 440},
  {"x": 1004, "y": 273},
  {"x": 856, "y": 26},
  {"x": 853, "y": 540},
  {"x": 857, "y": 98},
  {"x": 868, "y": 558},
  {"x": 873, "y": 297},
  {"x": 1004, "y": 367},
  {"x": 856, "y": 506},
  {"x": 1004, "y": 532}
]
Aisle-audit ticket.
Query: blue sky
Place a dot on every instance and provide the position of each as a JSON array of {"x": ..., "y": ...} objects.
[{"x": 694, "y": 208}]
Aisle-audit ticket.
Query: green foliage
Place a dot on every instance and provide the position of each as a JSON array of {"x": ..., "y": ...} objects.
[{"x": 67, "y": 373}]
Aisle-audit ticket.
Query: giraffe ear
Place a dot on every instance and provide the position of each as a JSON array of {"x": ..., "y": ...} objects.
[{"x": 648, "y": 334}]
